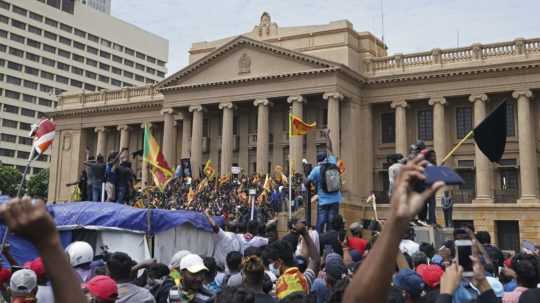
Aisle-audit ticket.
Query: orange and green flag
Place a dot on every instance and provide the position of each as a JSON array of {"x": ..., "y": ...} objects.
[
  {"x": 209, "y": 170},
  {"x": 161, "y": 171},
  {"x": 297, "y": 127}
]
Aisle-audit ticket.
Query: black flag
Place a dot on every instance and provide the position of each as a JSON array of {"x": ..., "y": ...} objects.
[{"x": 490, "y": 134}]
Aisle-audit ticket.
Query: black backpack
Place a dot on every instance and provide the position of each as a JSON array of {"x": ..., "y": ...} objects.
[{"x": 330, "y": 178}]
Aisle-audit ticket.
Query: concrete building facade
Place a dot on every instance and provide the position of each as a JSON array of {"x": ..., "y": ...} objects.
[
  {"x": 48, "y": 48},
  {"x": 231, "y": 103},
  {"x": 103, "y": 6}
]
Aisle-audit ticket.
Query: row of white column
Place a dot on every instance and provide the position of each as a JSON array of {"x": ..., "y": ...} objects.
[
  {"x": 192, "y": 127},
  {"x": 484, "y": 186}
]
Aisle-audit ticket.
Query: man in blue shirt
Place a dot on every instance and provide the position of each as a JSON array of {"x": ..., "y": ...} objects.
[{"x": 328, "y": 203}]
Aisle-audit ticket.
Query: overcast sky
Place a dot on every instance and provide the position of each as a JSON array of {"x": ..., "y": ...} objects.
[{"x": 409, "y": 26}]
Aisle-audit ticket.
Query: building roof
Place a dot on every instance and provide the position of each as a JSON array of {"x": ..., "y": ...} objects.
[{"x": 319, "y": 65}]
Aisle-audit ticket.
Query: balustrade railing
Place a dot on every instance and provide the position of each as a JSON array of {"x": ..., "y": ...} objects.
[
  {"x": 437, "y": 57},
  {"x": 126, "y": 94}
]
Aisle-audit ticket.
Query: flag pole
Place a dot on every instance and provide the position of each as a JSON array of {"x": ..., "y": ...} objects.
[
  {"x": 450, "y": 153},
  {"x": 290, "y": 168},
  {"x": 19, "y": 190}
]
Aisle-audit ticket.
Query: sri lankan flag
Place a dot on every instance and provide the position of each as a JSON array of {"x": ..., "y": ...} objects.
[
  {"x": 161, "y": 171},
  {"x": 297, "y": 127},
  {"x": 209, "y": 170}
]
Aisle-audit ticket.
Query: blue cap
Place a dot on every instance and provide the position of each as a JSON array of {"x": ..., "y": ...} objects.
[{"x": 409, "y": 281}]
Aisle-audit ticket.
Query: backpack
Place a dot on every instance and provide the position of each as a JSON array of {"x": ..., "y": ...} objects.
[{"x": 330, "y": 178}]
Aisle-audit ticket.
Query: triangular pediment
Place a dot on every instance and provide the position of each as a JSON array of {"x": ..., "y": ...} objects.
[{"x": 244, "y": 58}]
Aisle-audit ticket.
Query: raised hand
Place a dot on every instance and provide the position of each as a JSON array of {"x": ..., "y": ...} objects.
[
  {"x": 451, "y": 278},
  {"x": 406, "y": 203},
  {"x": 31, "y": 221}
]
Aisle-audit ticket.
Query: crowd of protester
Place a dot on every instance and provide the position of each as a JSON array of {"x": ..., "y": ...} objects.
[
  {"x": 115, "y": 181},
  {"x": 366, "y": 261}
]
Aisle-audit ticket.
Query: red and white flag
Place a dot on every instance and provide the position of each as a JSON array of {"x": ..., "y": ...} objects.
[{"x": 43, "y": 134}]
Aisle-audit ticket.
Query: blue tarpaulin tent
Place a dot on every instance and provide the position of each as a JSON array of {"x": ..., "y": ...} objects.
[{"x": 108, "y": 216}]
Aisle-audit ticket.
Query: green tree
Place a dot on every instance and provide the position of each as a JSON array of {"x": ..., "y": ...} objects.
[
  {"x": 38, "y": 184},
  {"x": 9, "y": 180}
]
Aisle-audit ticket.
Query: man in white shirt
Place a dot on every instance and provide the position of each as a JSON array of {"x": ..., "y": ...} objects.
[{"x": 227, "y": 241}]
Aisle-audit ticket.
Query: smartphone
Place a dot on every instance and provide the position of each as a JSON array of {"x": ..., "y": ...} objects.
[
  {"x": 252, "y": 192},
  {"x": 463, "y": 253},
  {"x": 442, "y": 173}
]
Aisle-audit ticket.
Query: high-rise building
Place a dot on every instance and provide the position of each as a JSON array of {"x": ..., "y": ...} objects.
[
  {"x": 50, "y": 47},
  {"x": 100, "y": 5}
]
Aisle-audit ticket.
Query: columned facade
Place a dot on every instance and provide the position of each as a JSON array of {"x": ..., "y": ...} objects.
[
  {"x": 439, "y": 127},
  {"x": 374, "y": 105},
  {"x": 527, "y": 146},
  {"x": 484, "y": 188},
  {"x": 334, "y": 100},
  {"x": 196, "y": 139},
  {"x": 101, "y": 140},
  {"x": 263, "y": 135},
  {"x": 296, "y": 143},
  {"x": 124, "y": 136},
  {"x": 401, "y": 126},
  {"x": 227, "y": 137},
  {"x": 169, "y": 135}
]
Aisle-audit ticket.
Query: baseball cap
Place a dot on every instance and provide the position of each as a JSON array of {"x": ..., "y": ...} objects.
[
  {"x": 431, "y": 274},
  {"x": 175, "y": 260},
  {"x": 409, "y": 281},
  {"x": 36, "y": 266},
  {"x": 192, "y": 263},
  {"x": 23, "y": 282},
  {"x": 103, "y": 288},
  {"x": 334, "y": 266}
]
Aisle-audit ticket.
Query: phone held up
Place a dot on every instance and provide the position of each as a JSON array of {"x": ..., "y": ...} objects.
[{"x": 463, "y": 253}]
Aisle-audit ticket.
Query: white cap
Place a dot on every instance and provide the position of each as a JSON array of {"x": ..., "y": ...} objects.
[
  {"x": 175, "y": 260},
  {"x": 23, "y": 282},
  {"x": 192, "y": 263}
]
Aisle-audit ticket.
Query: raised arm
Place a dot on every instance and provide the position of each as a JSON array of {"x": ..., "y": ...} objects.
[
  {"x": 9, "y": 257},
  {"x": 33, "y": 222},
  {"x": 215, "y": 227},
  {"x": 372, "y": 280},
  {"x": 314, "y": 255},
  {"x": 329, "y": 148}
]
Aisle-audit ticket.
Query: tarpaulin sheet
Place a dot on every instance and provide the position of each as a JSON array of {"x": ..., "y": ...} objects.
[
  {"x": 102, "y": 215},
  {"x": 24, "y": 251},
  {"x": 163, "y": 220},
  {"x": 109, "y": 216}
]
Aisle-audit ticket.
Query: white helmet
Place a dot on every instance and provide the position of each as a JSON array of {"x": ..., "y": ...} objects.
[{"x": 79, "y": 252}]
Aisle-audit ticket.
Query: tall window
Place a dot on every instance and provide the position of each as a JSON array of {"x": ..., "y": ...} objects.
[
  {"x": 508, "y": 235},
  {"x": 509, "y": 179},
  {"x": 425, "y": 125},
  {"x": 464, "y": 121},
  {"x": 510, "y": 120},
  {"x": 388, "y": 128}
]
